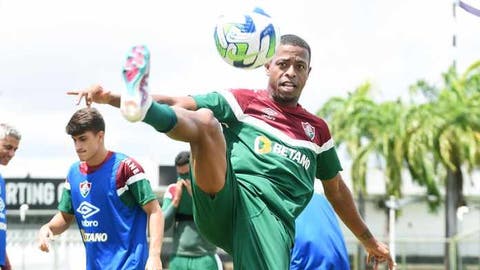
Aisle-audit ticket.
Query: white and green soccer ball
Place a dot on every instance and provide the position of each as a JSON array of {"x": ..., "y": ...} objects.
[{"x": 246, "y": 40}]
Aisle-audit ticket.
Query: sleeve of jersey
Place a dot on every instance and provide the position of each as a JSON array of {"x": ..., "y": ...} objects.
[
  {"x": 167, "y": 207},
  {"x": 218, "y": 104},
  {"x": 328, "y": 164},
  {"x": 132, "y": 183},
  {"x": 65, "y": 204}
]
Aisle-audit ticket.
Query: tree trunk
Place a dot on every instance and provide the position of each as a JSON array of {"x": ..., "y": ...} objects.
[{"x": 453, "y": 200}]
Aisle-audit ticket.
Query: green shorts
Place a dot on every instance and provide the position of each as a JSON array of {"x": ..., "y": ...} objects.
[
  {"x": 241, "y": 224},
  {"x": 208, "y": 262}
]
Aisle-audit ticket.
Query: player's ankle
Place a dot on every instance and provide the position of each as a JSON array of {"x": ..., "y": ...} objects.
[{"x": 160, "y": 116}]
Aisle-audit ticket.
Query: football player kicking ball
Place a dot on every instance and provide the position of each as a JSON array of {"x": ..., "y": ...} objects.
[
  {"x": 255, "y": 155},
  {"x": 109, "y": 196}
]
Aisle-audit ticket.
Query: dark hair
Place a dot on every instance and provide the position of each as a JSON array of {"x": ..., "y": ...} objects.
[
  {"x": 295, "y": 40},
  {"x": 83, "y": 120},
  {"x": 182, "y": 158}
]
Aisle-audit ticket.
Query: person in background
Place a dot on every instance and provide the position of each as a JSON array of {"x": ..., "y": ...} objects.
[
  {"x": 109, "y": 196},
  {"x": 191, "y": 251},
  {"x": 319, "y": 242},
  {"x": 9, "y": 141}
]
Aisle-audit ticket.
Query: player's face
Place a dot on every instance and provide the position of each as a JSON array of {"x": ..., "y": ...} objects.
[
  {"x": 8, "y": 147},
  {"x": 88, "y": 145},
  {"x": 183, "y": 171},
  {"x": 288, "y": 72}
]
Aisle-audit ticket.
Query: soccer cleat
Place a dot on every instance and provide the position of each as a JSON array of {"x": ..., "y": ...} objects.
[{"x": 134, "y": 99}]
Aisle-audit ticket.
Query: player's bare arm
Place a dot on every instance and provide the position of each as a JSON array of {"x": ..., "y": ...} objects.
[
  {"x": 57, "y": 225},
  {"x": 342, "y": 201},
  {"x": 97, "y": 94},
  {"x": 155, "y": 228}
]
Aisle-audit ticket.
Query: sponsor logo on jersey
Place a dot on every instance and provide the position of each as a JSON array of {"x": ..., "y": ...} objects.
[
  {"x": 269, "y": 113},
  {"x": 93, "y": 237},
  {"x": 87, "y": 209},
  {"x": 264, "y": 145},
  {"x": 89, "y": 223},
  {"x": 309, "y": 130},
  {"x": 85, "y": 187}
]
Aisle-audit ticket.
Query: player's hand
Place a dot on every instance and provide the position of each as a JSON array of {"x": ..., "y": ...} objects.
[
  {"x": 178, "y": 193},
  {"x": 153, "y": 263},
  {"x": 379, "y": 253},
  {"x": 94, "y": 93},
  {"x": 44, "y": 236},
  {"x": 188, "y": 185}
]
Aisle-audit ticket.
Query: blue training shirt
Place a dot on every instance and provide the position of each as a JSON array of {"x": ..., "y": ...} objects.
[
  {"x": 319, "y": 242},
  {"x": 114, "y": 233}
]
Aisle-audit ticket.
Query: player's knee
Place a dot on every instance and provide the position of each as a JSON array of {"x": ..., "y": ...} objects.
[{"x": 209, "y": 123}]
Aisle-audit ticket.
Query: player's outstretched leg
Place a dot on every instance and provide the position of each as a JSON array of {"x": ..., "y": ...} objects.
[
  {"x": 135, "y": 99},
  {"x": 199, "y": 128}
]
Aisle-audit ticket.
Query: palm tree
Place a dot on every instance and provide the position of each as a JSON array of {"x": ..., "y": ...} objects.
[
  {"x": 445, "y": 130},
  {"x": 433, "y": 138},
  {"x": 369, "y": 129},
  {"x": 347, "y": 121},
  {"x": 346, "y": 117}
]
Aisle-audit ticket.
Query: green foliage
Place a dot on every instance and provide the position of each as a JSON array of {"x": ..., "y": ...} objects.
[{"x": 427, "y": 138}]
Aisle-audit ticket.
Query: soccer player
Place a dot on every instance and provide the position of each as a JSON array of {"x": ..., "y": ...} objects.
[
  {"x": 255, "y": 155},
  {"x": 109, "y": 196},
  {"x": 191, "y": 251},
  {"x": 9, "y": 141},
  {"x": 319, "y": 242}
]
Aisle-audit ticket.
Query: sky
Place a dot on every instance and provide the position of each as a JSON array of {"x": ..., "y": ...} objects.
[{"x": 52, "y": 46}]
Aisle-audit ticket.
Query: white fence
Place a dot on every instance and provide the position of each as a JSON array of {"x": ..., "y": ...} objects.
[{"x": 66, "y": 253}]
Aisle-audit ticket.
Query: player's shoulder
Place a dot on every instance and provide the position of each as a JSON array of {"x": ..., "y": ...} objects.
[
  {"x": 244, "y": 96},
  {"x": 128, "y": 165},
  {"x": 245, "y": 93},
  {"x": 242, "y": 91},
  {"x": 77, "y": 167},
  {"x": 123, "y": 158}
]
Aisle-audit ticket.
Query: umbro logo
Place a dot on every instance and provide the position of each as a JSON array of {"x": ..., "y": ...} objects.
[
  {"x": 87, "y": 209},
  {"x": 269, "y": 113}
]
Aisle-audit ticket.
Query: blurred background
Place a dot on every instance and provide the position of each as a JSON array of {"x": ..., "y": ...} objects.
[{"x": 397, "y": 81}]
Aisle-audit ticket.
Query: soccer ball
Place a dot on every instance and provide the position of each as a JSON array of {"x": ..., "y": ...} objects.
[{"x": 247, "y": 39}]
